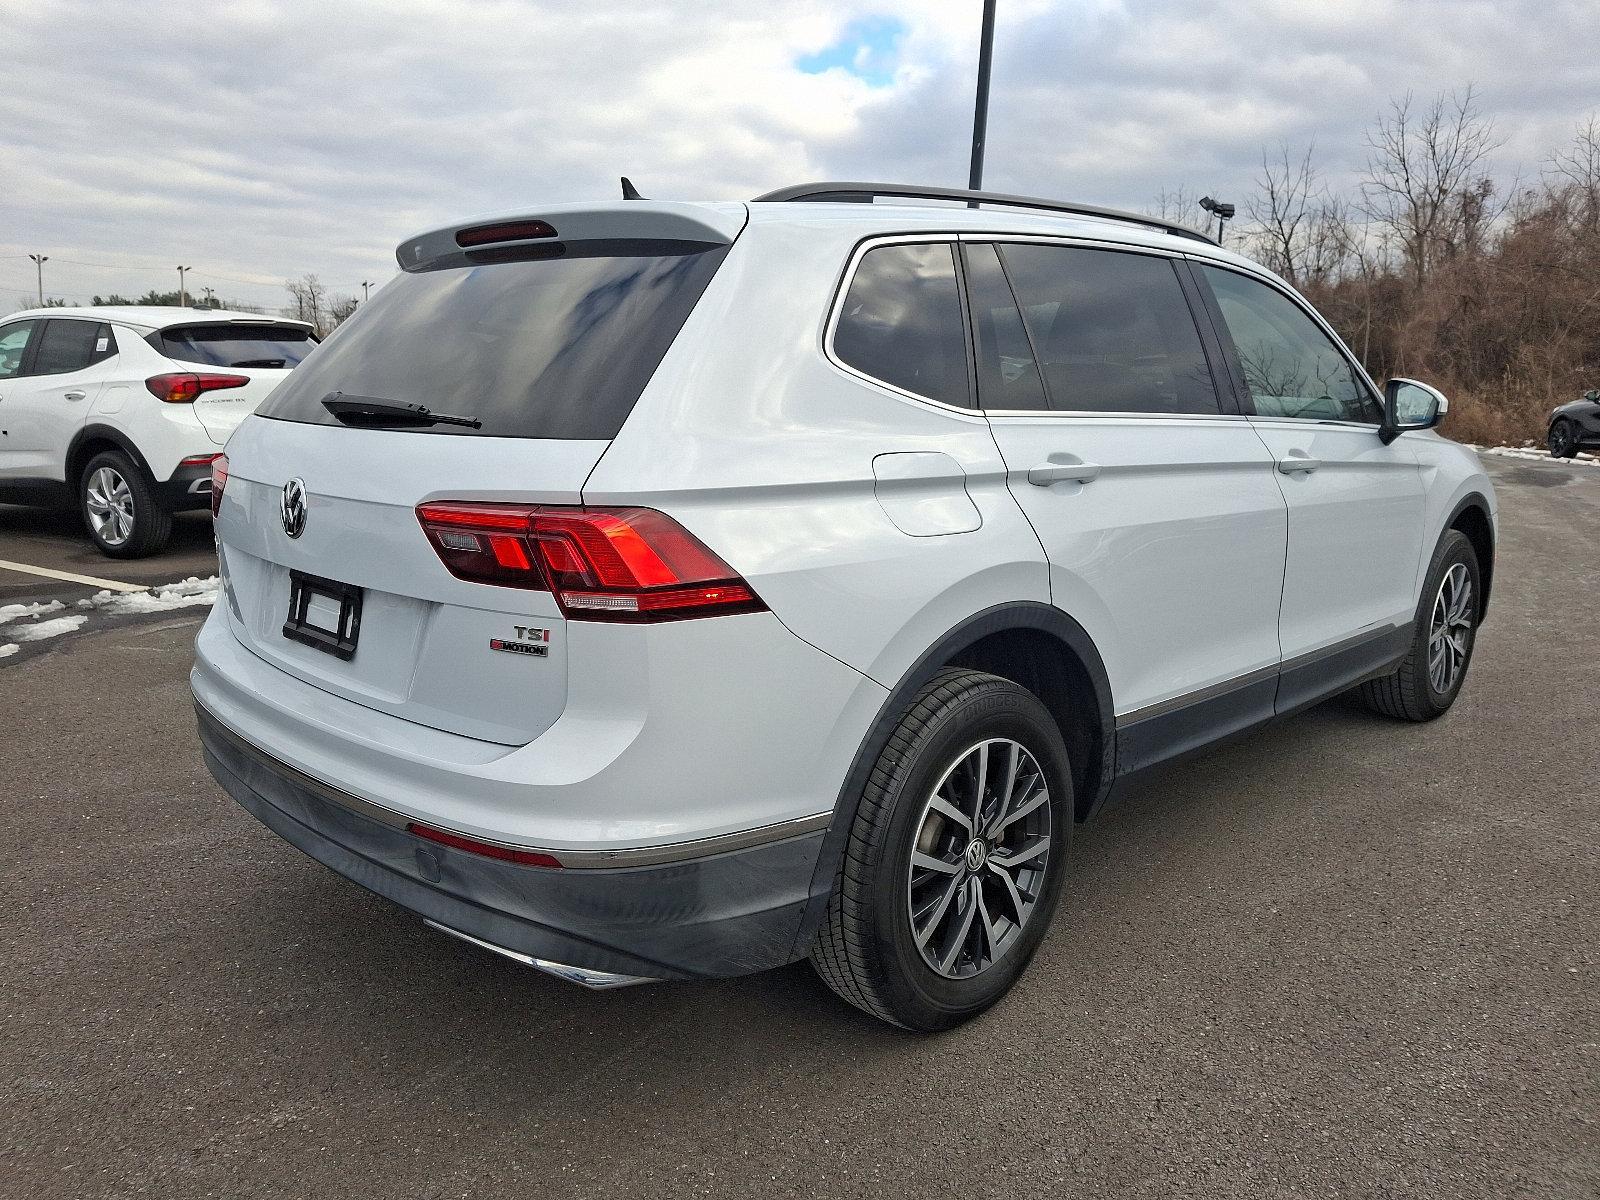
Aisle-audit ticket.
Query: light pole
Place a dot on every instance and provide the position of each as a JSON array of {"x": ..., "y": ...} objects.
[
  {"x": 211, "y": 297},
  {"x": 183, "y": 301},
  {"x": 980, "y": 111},
  {"x": 39, "y": 261},
  {"x": 366, "y": 292},
  {"x": 1220, "y": 209}
]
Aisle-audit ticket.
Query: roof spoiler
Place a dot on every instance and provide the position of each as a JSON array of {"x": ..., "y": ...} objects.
[{"x": 641, "y": 220}]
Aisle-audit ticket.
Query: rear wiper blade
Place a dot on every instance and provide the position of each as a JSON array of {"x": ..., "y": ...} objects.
[
  {"x": 259, "y": 362},
  {"x": 372, "y": 410}
]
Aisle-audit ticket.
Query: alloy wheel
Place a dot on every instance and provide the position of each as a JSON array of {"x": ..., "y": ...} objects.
[
  {"x": 1450, "y": 630},
  {"x": 979, "y": 862},
  {"x": 1561, "y": 440},
  {"x": 110, "y": 504}
]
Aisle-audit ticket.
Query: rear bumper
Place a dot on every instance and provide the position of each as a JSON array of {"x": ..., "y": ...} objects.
[
  {"x": 728, "y": 913},
  {"x": 189, "y": 488}
]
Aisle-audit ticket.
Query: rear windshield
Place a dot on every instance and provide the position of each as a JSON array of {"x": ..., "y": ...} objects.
[
  {"x": 553, "y": 343},
  {"x": 241, "y": 345}
]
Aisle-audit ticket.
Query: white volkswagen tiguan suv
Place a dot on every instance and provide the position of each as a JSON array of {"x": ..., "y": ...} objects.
[
  {"x": 649, "y": 590},
  {"x": 120, "y": 410}
]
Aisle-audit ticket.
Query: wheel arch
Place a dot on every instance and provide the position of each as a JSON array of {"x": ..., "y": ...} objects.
[
  {"x": 92, "y": 440},
  {"x": 1037, "y": 646},
  {"x": 1471, "y": 517}
]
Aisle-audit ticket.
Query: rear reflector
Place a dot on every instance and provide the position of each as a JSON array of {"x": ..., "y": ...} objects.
[
  {"x": 181, "y": 387},
  {"x": 509, "y": 231},
  {"x": 526, "y": 858},
  {"x": 219, "y": 480},
  {"x": 602, "y": 564}
]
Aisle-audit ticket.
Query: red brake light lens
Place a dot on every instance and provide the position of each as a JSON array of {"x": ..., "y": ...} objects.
[
  {"x": 509, "y": 231},
  {"x": 182, "y": 387},
  {"x": 602, "y": 564},
  {"x": 219, "y": 480}
]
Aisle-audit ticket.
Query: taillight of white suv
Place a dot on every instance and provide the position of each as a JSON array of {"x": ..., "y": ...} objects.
[{"x": 602, "y": 564}]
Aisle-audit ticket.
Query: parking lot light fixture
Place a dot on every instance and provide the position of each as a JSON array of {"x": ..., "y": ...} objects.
[{"x": 39, "y": 261}]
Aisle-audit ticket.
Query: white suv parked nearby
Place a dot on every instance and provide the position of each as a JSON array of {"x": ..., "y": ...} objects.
[
  {"x": 122, "y": 410},
  {"x": 650, "y": 590}
]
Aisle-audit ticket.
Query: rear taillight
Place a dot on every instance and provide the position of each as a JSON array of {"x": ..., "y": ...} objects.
[
  {"x": 181, "y": 387},
  {"x": 219, "y": 480},
  {"x": 603, "y": 564}
]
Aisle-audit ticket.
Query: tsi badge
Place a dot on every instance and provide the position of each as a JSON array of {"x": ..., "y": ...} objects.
[{"x": 530, "y": 640}]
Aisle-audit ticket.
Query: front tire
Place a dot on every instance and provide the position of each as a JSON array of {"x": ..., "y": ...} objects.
[
  {"x": 1563, "y": 439},
  {"x": 956, "y": 858},
  {"x": 1430, "y": 676},
  {"x": 120, "y": 508}
]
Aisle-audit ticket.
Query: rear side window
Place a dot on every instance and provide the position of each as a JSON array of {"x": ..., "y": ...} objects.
[
  {"x": 1112, "y": 330},
  {"x": 71, "y": 346},
  {"x": 902, "y": 323},
  {"x": 13, "y": 345},
  {"x": 553, "y": 343},
  {"x": 1291, "y": 367},
  {"x": 236, "y": 345},
  {"x": 1008, "y": 376}
]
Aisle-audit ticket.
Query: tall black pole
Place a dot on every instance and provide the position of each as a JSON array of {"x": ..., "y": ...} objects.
[{"x": 980, "y": 114}]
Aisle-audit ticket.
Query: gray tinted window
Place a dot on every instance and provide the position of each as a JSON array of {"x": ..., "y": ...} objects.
[
  {"x": 553, "y": 343},
  {"x": 1290, "y": 366},
  {"x": 13, "y": 343},
  {"x": 71, "y": 346},
  {"x": 236, "y": 345},
  {"x": 1113, "y": 331},
  {"x": 1008, "y": 376},
  {"x": 901, "y": 322}
]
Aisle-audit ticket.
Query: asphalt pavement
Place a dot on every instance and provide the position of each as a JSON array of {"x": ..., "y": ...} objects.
[{"x": 1340, "y": 957}]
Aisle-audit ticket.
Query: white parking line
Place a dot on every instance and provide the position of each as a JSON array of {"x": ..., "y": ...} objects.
[{"x": 88, "y": 580}]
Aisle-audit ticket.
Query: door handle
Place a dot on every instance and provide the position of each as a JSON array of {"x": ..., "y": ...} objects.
[
  {"x": 1298, "y": 460},
  {"x": 73, "y": 395},
  {"x": 1063, "y": 468}
]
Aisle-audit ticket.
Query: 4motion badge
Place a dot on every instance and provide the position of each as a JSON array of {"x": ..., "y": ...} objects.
[{"x": 530, "y": 640}]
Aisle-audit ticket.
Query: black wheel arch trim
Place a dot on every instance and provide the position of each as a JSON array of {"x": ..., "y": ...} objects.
[
  {"x": 95, "y": 433},
  {"x": 1478, "y": 501},
  {"x": 1021, "y": 615}
]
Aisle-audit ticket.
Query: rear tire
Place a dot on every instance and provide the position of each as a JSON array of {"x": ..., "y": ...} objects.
[
  {"x": 1563, "y": 439},
  {"x": 124, "y": 516},
  {"x": 1444, "y": 633},
  {"x": 930, "y": 941}
]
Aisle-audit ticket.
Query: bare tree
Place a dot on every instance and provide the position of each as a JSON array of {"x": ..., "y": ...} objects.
[
  {"x": 1282, "y": 211},
  {"x": 1181, "y": 206},
  {"x": 1574, "y": 175},
  {"x": 339, "y": 310},
  {"x": 1419, "y": 166},
  {"x": 309, "y": 300}
]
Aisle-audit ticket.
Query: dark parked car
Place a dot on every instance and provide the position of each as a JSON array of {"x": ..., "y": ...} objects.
[{"x": 1575, "y": 426}]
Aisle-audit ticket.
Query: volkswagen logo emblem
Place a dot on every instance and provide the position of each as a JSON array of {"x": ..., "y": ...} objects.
[{"x": 293, "y": 507}]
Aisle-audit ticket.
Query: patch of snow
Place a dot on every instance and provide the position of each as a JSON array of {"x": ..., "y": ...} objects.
[
  {"x": 21, "y": 624},
  {"x": 1533, "y": 453},
  {"x": 41, "y": 630},
  {"x": 15, "y": 612},
  {"x": 191, "y": 593}
]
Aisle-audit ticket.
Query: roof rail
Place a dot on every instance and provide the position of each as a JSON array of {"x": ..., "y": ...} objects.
[{"x": 865, "y": 193}]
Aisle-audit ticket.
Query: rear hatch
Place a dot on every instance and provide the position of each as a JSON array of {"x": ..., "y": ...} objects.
[
  {"x": 262, "y": 353},
  {"x": 528, "y": 359}
]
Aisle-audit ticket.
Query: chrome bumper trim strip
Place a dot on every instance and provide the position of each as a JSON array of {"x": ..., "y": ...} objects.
[{"x": 582, "y": 976}]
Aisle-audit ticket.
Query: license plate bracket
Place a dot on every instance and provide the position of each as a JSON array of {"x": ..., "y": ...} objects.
[{"x": 312, "y": 603}]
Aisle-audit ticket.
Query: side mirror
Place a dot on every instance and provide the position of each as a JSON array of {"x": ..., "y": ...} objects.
[
  {"x": 1592, "y": 395},
  {"x": 1409, "y": 404}
]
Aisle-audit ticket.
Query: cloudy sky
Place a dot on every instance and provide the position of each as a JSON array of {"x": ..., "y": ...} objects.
[{"x": 259, "y": 139}]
